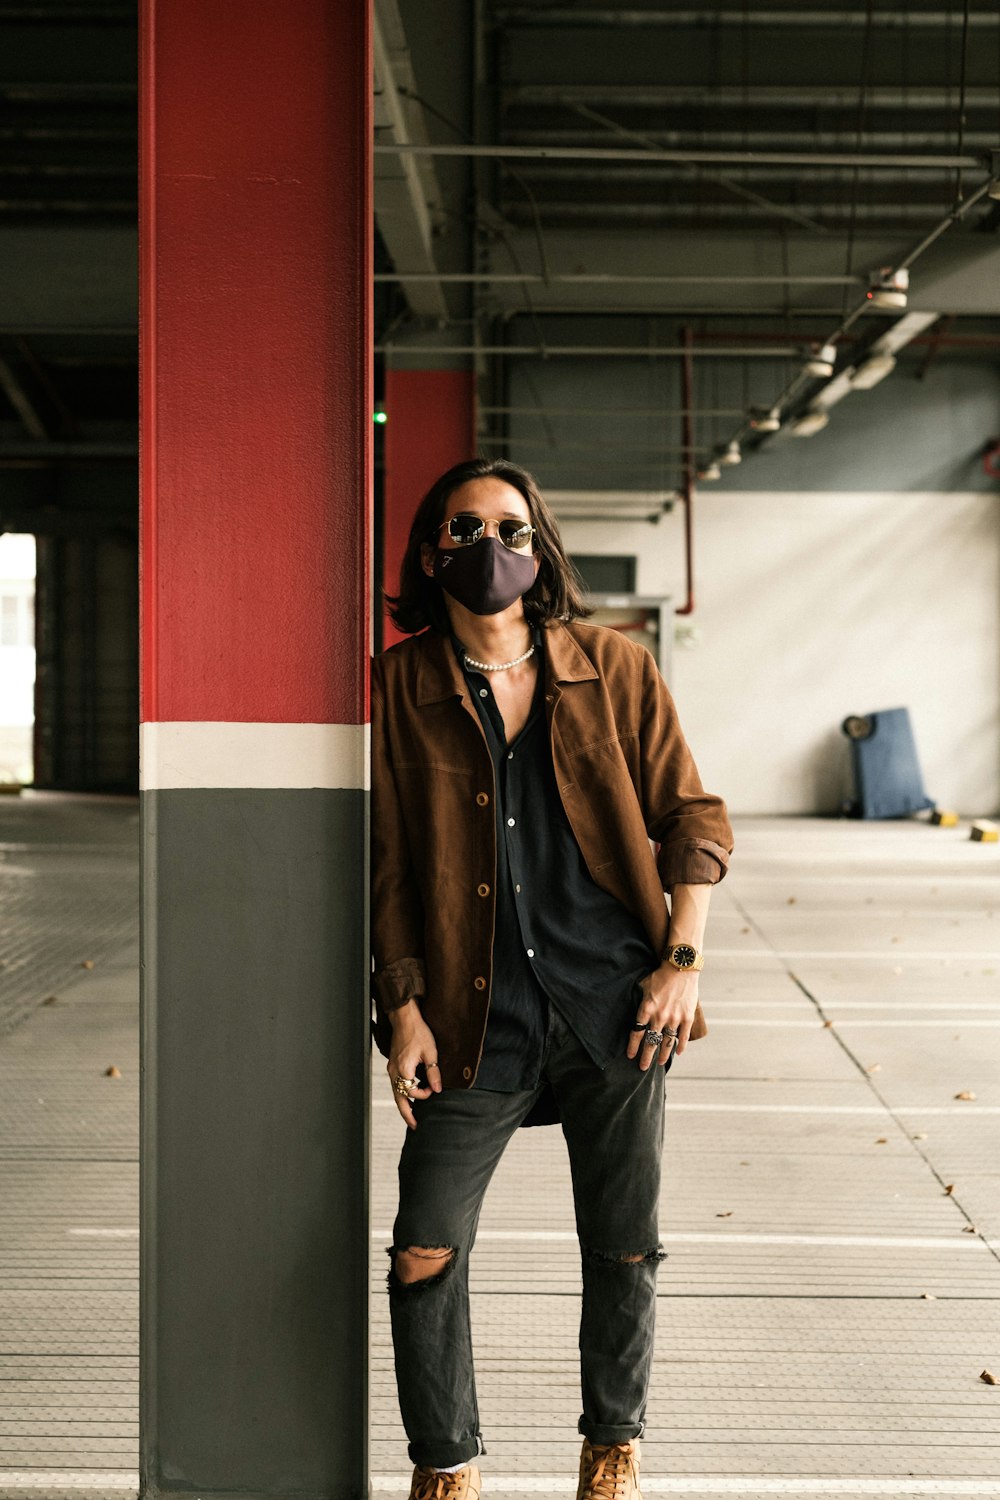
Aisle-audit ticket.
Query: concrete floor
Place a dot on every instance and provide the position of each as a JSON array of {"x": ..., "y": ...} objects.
[{"x": 831, "y": 1206}]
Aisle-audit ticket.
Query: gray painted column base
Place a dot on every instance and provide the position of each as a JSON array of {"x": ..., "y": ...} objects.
[{"x": 254, "y": 1177}]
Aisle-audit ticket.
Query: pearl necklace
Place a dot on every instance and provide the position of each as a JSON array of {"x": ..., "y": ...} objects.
[{"x": 498, "y": 666}]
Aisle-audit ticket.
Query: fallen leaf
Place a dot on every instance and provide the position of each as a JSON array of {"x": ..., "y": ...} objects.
[
  {"x": 921, "y": 1135},
  {"x": 744, "y": 1163},
  {"x": 744, "y": 929},
  {"x": 112, "y": 1072},
  {"x": 969, "y": 1229},
  {"x": 727, "y": 1215},
  {"x": 950, "y": 1188},
  {"x": 965, "y": 1094},
  {"x": 929, "y": 1296},
  {"x": 874, "y": 1068},
  {"x": 883, "y": 1140},
  {"x": 792, "y": 900},
  {"x": 989, "y": 1377},
  {"x": 50, "y": 1000},
  {"x": 87, "y": 963},
  {"x": 827, "y": 1023}
]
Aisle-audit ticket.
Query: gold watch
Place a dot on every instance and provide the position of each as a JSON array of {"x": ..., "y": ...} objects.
[{"x": 684, "y": 956}]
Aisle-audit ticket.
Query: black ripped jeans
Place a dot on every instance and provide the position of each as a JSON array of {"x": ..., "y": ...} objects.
[{"x": 613, "y": 1122}]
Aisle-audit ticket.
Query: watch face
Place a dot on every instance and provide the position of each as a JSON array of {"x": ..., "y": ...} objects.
[{"x": 684, "y": 955}]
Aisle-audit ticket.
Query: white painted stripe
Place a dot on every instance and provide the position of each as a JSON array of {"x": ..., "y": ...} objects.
[
  {"x": 266, "y": 756},
  {"x": 959, "y": 1241},
  {"x": 718, "y": 1484}
]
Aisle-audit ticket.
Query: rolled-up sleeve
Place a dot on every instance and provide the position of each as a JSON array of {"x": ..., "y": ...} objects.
[{"x": 690, "y": 825}]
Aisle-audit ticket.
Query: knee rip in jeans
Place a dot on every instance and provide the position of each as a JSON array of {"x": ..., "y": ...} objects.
[
  {"x": 422, "y": 1265},
  {"x": 624, "y": 1258}
]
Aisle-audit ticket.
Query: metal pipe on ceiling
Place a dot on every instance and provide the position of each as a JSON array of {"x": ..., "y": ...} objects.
[
  {"x": 603, "y": 351},
  {"x": 614, "y": 16},
  {"x": 731, "y": 158},
  {"x": 616, "y": 279}
]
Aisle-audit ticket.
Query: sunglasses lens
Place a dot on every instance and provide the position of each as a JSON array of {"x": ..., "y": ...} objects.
[
  {"x": 514, "y": 533},
  {"x": 465, "y": 529}
]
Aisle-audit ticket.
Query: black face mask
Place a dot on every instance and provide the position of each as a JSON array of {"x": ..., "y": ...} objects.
[{"x": 486, "y": 577}]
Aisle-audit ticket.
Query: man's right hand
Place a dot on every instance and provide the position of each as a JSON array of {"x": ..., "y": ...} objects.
[{"x": 412, "y": 1043}]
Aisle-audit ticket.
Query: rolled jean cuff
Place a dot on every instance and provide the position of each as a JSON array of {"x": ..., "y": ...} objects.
[
  {"x": 604, "y": 1434},
  {"x": 443, "y": 1455}
]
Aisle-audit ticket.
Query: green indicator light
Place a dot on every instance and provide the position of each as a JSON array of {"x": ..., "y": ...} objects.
[{"x": 379, "y": 416}]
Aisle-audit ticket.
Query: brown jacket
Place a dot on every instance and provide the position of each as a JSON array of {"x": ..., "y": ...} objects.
[{"x": 625, "y": 774}]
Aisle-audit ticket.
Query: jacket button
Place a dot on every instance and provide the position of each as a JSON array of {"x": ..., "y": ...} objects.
[
  {"x": 480, "y": 982},
  {"x": 483, "y": 890},
  {"x": 466, "y": 1072},
  {"x": 482, "y": 798}
]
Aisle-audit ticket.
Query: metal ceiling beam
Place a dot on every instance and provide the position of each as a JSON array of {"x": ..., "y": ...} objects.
[
  {"x": 580, "y": 17},
  {"x": 781, "y": 96},
  {"x": 729, "y": 157},
  {"x": 402, "y": 188}
]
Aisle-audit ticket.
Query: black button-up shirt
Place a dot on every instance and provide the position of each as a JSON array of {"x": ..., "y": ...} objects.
[{"x": 559, "y": 937}]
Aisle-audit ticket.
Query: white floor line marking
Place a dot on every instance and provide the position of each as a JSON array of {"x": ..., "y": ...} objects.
[
  {"x": 849, "y": 1021},
  {"x": 961, "y": 1241},
  {"x": 68, "y": 1479},
  {"x": 805, "y": 1109},
  {"x": 722, "y": 1484},
  {"x": 105, "y": 1232},
  {"x": 898, "y": 955},
  {"x": 903, "y": 1006}
]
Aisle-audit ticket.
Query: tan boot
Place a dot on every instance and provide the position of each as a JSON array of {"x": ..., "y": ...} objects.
[
  {"x": 610, "y": 1473},
  {"x": 428, "y": 1484}
]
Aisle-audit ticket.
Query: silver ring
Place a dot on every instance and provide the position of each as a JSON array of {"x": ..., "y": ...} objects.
[
  {"x": 430, "y": 1065},
  {"x": 653, "y": 1038}
]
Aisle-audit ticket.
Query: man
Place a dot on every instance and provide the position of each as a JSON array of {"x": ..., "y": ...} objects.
[{"x": 526, "y": 967}]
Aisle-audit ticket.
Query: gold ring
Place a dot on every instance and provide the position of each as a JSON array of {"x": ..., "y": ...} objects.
[{"x": 403, "y": 1085}]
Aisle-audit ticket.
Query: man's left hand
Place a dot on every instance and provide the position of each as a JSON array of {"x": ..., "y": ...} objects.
[{"x": 669, "y": 1001}]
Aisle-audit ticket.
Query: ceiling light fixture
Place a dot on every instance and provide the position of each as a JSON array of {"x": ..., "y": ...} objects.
[
  {"x": 822, "y": 361},
  {"x": 813, "y": 420},
  {"x": 889, "y": 288},
  {"x": 711, "y": 472},
  {"x": 767, "y": 421},
  {"x": 731, "y": 454}
]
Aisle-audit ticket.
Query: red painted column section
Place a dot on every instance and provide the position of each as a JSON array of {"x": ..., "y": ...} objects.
[
  {"x": 430, "y": 425},
  {"x": 255, "y": 363}
]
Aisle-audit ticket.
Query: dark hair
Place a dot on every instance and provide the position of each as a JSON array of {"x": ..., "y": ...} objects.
[{"x": 557, "y": 592}]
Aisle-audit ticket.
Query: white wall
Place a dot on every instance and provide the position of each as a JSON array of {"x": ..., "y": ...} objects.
[{"x": 813, "y": 606}]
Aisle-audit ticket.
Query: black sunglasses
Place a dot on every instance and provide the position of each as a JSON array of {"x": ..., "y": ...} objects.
[{"x": 465, "y": 529}]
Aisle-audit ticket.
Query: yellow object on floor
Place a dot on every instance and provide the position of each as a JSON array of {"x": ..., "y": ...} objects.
[
  {"x": 944, "y": 818},
  {"x": 984, "y": 831}
]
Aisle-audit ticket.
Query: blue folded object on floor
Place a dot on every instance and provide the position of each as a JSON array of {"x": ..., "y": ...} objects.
[{"x": 887, "y": 777}]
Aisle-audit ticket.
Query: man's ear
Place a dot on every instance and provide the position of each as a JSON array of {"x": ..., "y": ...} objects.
[{"x": 427, "y": 558}]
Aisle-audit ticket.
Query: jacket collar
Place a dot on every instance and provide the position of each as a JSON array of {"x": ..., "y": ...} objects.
[{"x": 439, "y": 673}]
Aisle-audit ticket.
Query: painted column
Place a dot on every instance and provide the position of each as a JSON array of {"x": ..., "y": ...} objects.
[
  {"x": 255, "y": 419},
  {"x": 430, "y": 426}
]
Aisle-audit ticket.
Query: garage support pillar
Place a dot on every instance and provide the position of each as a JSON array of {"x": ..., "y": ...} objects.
[{"x": 255, "y": 421}]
